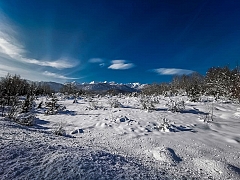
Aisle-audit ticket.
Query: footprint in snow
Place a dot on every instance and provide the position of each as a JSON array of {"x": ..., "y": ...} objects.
[
  {"x": 122, "y": 119},
  {"x": 102, "y": 125},
  {"x": 77, "y": 131},
  {"x": 166, "y": 155}
]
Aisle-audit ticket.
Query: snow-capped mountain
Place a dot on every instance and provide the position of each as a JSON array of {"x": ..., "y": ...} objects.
[
  {"x": 104, "y": 87},
  {"x": 98, "y": 87},
  {"x": 137, "y": 85},
  {"x": 53, "y": 85}
]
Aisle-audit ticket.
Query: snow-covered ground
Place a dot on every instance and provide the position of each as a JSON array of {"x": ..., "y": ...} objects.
[{"x": 126, "y": 142}]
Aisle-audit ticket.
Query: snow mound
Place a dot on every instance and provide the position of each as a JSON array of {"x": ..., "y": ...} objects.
[
  {"x": 166, "y": 155},
  {"x": 211, "y": 167}
]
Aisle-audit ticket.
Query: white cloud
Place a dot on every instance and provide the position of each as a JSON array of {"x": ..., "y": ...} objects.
[
  {"x": 55, "y": 75},
  {"x": 120, "y": 65},
  {"x": 172, "y": 71},
  {"x": 31, "y": 74},
  {"x": 102, "y": 64},
  {"x": 8, "y": 68},
  {"x": 13, "y": 58},
  {"x": 11, "y": 47},
  {"x": 58, "y": 64},
  {"x": 96, "y": 60}
]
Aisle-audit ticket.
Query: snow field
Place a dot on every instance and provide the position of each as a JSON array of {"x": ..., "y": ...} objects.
[{"x": 125, "y": 143}]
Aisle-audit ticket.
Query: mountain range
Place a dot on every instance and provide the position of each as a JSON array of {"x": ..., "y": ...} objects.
[{"x": 99, "y": 87}]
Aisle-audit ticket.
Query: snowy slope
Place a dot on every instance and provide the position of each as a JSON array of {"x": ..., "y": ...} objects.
[{"x": 124, "y": 143}]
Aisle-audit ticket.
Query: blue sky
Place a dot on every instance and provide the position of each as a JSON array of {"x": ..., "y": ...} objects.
[{"x": 122, "y": 41}]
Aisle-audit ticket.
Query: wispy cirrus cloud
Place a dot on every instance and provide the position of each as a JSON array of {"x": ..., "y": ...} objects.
[
  {"x": 8, "y": 68},
  {"x": 58, "y": 64},
  {"x": 120, "y": 65},
  {"x": 58, "y": 76},
  {"x": 5, "y": 69},
  {"x": 96, "y": 60},
  {"x": 32, "y": 74},
  {"x": 14, "y": 59},
  {"x": 11, "y": 47},
  {"x": 172, "y": 71}
]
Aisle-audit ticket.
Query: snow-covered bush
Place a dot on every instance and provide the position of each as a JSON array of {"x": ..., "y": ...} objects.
[
  {"x": 75, "y": 100},
  {"x": 14, "y": 109},
  {"x": 114, "y": 103},
  {"x": 75, "y": 96},
  {"x": 40, "y": 105},
  {"x": 93, "y": 105},
  {"x": 53, "y": 107},
  {"x": 2, "y": 105},
  {"x": 175, "y": 106},
  {"x": 209, "y": 115},
  {"x": 165, "y": 126},
  {"x": 20, "y": 111},
  {"x": 59, "y": 130},
  {"x": 147, "y": 103},
  {"x": 27, "y": 104},
  {"x": 27, "y": 119},
  {"x": 193, "y": 93}
]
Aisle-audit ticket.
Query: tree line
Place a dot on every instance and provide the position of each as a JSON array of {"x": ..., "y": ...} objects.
[
  {"x": 12, "y": 86},
  {"x": 218, "y": 82}
]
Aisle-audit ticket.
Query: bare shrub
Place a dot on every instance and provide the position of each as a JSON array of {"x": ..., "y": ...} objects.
[
  {"x": 114, "y": 103},
  {"x": 40, "y": 105},
  {"x": 27, "y": 119},
  {"x": 175, "y": 106},
  {"x": 53, "y": 107},
  {"x": 20, "y": 112},
  {"x": 2, "y": 105},
  {"x": 75, "y": 100},
  {"x": 93, "y": 105},
  {"x": 14, "y": 109},
  {"x": 209, "y": 115},
  {"x": 27, "y": 104},
  {"x": 59, "y": 130}
]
